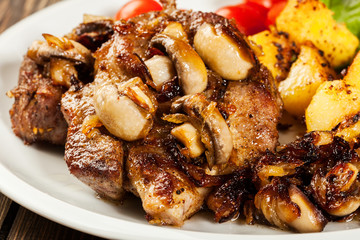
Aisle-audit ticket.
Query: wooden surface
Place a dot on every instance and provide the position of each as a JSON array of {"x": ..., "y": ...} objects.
[{"x": 17, "y": 222}]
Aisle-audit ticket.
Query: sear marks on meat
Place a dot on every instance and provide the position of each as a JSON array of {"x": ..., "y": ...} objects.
[
  {"x": 228, "y": 199},
  {"x": 253, "y": 114},
  {"x": 168, "y": 194},
  {"x": 154, "y": 173},
  {"x": 36, "y": 115},
  {"x": 93, "y": 156},
  {"x": 48, "y": 70}
]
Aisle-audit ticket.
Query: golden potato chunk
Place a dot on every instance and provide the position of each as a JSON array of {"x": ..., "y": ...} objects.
[
  {"x": 276, "y": 52},
  {"x": 353, "y": 74},
  {"x": 332, "y": 103},
  {"x": 311, "y": 20},
  {"x": 349, "y": 129},
  {"x": 337, "y": 104},
  {"x": 305, "y": 76}
]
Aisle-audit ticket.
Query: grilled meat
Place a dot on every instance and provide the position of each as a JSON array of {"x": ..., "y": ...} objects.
[
  {"x": 155, "y": 169},
  {"x": 254, "y": 110},
  {"x": 36, "y": 114},
  {"x": 49, "y": 68},
  {"x": 133, "y": 127},
  {"x": 171, "y": 182},
  {"x": 92, "y": 155}
]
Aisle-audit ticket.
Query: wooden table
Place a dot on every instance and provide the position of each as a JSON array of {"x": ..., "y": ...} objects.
[{"x": 16, "y": 222}]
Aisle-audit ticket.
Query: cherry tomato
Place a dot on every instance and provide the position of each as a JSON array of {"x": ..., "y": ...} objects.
[
  {"x": 136, "y": 7},
  {"x": 266, "y": 3},
  {"x": 274, "y": 12},
  {"x": 250, "y": 17}
]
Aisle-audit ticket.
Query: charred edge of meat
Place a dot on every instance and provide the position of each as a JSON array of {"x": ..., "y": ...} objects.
[
  {"x": 35, "y": 114},
  {"x": 226, "y": 200},
  {"x": 216, "y": 88}
]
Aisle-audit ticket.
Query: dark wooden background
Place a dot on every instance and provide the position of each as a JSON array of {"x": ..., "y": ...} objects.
[{"x": 17, "y": 222}]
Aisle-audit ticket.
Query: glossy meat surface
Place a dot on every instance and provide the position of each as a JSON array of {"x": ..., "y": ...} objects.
[{"x": 36, "y": 114}]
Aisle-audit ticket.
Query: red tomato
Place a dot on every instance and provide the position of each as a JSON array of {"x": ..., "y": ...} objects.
[
  {"x": 266, "y": 3},
  {"x": 275, "y": 12},
  {"x": 136, "y": 7},
  {"x": 250, "y": 17}
]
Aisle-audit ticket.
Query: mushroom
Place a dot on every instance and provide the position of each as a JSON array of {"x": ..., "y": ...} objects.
[
  {"x": 189, "y": 66},
  {"x": 222, "y": 53},
  {"x": 285, "y": 206},
  {"x": 215, "y": 133},
  {"x": 63, "y": 55},
  {"x": 342, "y": 184},
  {"x": 63, "y": 48},
  {"x": 126, "y": 111},
  {"x": 62, "y": 72},
  {"x": 176, "y": 30},
  {"x": 161, "y": 69},
  {"x": 310, "y": 219},
  {"x": 190, "y": 137}
]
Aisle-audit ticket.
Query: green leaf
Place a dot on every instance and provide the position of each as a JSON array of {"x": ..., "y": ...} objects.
[{"x": 346, "y": 11}]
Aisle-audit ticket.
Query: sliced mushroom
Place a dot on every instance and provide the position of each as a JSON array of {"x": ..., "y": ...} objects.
[
  {"x": 64, "y": 48},
  {"x": 222, "y": 54},
  {"x": 126, "y": 110},
  {"x": 342, "y": 184},
  {"x": 285, "y": 206},
  {"x": 189, "y": 66},
  {"x": 176, "y": 30},
  {"x": 139, "y": 93},
  {"x": 215, "y": 133},
  {"x": 62, "y": 72},
  {"x": 161, "y": 69},
  {"x": 190, "y": 137},
  {"x": 310, "y": 219}
]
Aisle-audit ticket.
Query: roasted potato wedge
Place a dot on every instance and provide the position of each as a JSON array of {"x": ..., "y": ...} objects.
[
  {"x": 311, "y": 20},
  {"x": 305, "y": 76},
  {"x": 335, "y": 101},
  {"x": 276, "y": 52}
]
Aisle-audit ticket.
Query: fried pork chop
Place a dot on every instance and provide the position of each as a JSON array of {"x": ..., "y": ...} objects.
[
  {"x": 239, "y": 122},
  {"x": 181, "y": 119}
]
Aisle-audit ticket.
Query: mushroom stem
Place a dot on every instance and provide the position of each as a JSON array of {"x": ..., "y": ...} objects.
[
  {"x": 189, "y": 66},
  {"x": 126, "y": 111},
  {"x": 216, "y": 135}
]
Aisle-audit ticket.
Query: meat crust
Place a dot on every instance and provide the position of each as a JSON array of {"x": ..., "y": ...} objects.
[
  {"x": 253, "y": 122},
  {"x": 92, "y": 156},
  {"x": 36, "y": 115},
  {"x": 169, "y": 196}
]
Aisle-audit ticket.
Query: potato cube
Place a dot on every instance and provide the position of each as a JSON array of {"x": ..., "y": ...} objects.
[
  {"x": 276, "y": 52},
  {"x": 311, "y": 20},
  {"x": 306, "y": 74},
  {"x": 332, "y": 103}
]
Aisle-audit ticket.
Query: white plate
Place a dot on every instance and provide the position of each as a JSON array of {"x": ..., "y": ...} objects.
[{"x": 37, "y": 177}]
